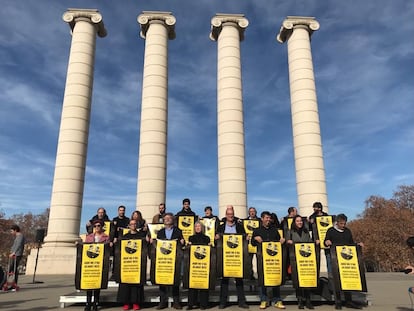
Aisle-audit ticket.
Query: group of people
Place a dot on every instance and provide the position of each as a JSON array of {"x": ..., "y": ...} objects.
[{"x": 295, "y": 228}]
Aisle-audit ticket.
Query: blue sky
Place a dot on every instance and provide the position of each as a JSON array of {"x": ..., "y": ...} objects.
[{"x": 363, "y": 57}]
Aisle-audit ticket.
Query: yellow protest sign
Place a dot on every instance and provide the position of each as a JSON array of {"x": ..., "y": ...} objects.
[
  {"x": 92, "y": 265},
  {"x": 199, "y": 273},
  {"x": 348, "y": 266},
  {"x": 186, "y": 225},
  {"x": 130, "y": 261},
  {"x": 306, "y": 264},
  {"x": 233, "y": 255},
  {"x": 272, "y": 263},
  {"x": 323, "y": 223},
  {"x": 165, "y": 262}
]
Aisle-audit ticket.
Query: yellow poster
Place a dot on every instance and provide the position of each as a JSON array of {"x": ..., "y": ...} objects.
[
  {"x": 249, "y": 226},
  {"x": 165, "y": 262},
  {"x": 130, "y": 261},
  {"x": 210, "y": 227},
  {"x": 186, "y": 224},
  {"x": 323, "y": 223},
  {"x": 153, "y": 229},
  {"x": 289, "y": 222},
  {"x": 272, "y": 263},
  {"x": 233, "y": 255},
  {"x": 199, "y": 274},
  {"x": 92, "y": 265},
  {"x": 306, "y": 264},
  {"x": 348, "y": 266}
]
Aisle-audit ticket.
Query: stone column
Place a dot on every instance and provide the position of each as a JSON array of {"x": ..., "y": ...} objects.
[
  {"x": 228, "y": 31},
  {"x": 58, "y": 253},
  {"x": 310, "y": 172},
  {"x": 156, "y": 29}
]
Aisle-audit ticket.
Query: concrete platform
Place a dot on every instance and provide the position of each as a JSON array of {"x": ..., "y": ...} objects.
[{"x": 387, "y": 292}]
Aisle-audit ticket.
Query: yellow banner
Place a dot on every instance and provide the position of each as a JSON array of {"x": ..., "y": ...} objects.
[
  {"x": 348, "y": 268},
  {"x": 131, "y": 261},
  {"x": 186, "y": 224},
  {"x": 154, "y": 228},
  {"x": 272, "y": 263},
  {"x": 92, "y": 265},
  {"x": 249, "y": 226},
  {"x": 165, "y": 262},
  {"x": 323, "y": 223},
  {"x": 199, "y": 266},
  {"x": 306, "y": 264},
  {"x": 210, "y": 227},
  {"x": 233, "y": 255}
]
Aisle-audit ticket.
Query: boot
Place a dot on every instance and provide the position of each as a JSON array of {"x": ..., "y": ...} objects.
[
  {"x": 309, "y": 304},
  {"x": 300, "y": 304},
  {"x": 87, "y": 307}
]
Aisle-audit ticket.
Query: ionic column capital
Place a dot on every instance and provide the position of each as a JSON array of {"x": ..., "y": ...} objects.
[
  {"x": 147, "y": 17},
  {"x": 292, "y": 22},
  {"x": 71, "y": 16},
  {"x": 220, "y": 20}
]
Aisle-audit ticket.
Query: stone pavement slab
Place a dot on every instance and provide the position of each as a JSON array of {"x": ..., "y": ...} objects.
[{"x": 386, "y": 291}]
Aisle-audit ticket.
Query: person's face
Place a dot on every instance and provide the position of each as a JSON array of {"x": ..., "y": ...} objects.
[
  {"x": 198, "y": 228},
  {"x": 133, "y": 225},
  {"x": 341, "y": 224},
  {"x": 135, "y": 216},
  {"x": 101, "y": 213},
  {"x": 298, "y": 222},
  {"x": 97, "y": 227},
  {"x": 162, "y": 208},
  {"x": 168, "y": 220},
  {"x": 208, "y": 212},
  {"x": 252, "y": 213},
  {"x": 186, "y": 205},
  {"x": 266, "y": 219},
  {"x": 230, "y": 215},
  {"x": 121, "y": 212},
  {"x": 294, "y": 212}
]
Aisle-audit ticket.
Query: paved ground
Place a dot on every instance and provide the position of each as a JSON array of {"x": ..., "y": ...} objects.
[{"x": 387, "y": 292}]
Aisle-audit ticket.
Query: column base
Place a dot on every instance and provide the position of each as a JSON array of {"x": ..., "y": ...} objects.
[{"x": 52, "y": 260}]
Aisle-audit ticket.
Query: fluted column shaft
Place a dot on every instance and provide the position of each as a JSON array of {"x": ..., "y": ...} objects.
[
  {"x": 156, "y": 29},
  {"x": 227, "y": 30},
  {"x": 68, "y": 181},
  {"x": 309, "y": 164}
]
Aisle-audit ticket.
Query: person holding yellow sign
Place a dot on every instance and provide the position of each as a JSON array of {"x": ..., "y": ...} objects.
[
  {"x": 299, "y": 234},
  {"x": 340, "y": 234},
  {"x": 231, "y": 226},
  {"x": 98, "y": 236},
  {"x": 194, "y": 295},
  {"x": 268, "y": 233},
  {"x": 131, "y": 288},
  {"x": 170, "y": 232}
]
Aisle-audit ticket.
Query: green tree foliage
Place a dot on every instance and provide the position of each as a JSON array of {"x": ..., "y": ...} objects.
[
  {"x": 384, "y": 227},
  {"x": 28, "y": 224}
]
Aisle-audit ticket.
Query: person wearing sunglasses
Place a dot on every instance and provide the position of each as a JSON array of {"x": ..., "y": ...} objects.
[{"x": 97, "y": 236}]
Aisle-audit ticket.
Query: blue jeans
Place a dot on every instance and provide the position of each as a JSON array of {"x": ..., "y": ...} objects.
[{"x": 275, "y": 293}]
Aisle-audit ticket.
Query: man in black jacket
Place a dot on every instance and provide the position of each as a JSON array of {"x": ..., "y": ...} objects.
[
  {"x": 170, "y": 232},
  {"x": 231, "y": 225}
]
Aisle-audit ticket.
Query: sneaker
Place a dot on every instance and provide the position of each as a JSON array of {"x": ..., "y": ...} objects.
[
  {"x": 136, "y": 306},
  {"x": 280, "y": 305},
  {"x": 125, "y": 307},
  {"x": 263, "y": 305}
]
